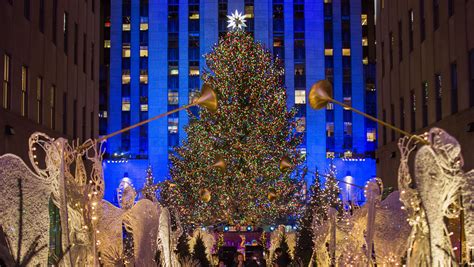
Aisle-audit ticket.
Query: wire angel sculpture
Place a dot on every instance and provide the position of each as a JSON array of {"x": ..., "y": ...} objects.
[{"x": 432, "y": 195}]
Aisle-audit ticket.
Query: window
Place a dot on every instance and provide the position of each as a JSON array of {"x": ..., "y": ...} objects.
[
  {"x": 173, "y": 70},
  {"x": 55, "y": 20},
  {"x": 300, "y": 124},
  {"x": 422, "y": 21},
  {"x": 107, "y": 45},
  {"x": 328, "y": 52},
  {"x": 26, "y": 9},
  {"x": 454, "y": 88},
  {"x": 126, "y": 51},
  {"x": 193, "y": 96},
  {"x": 144, "y": 26},
  {"x": 439, "y": 94},
  {"x": 410, "y": 28},
  {"x": 144, "y": 76},
  {"x": 348, "y": 128},
  {"x": 24, "y": 92},
  {"x": 41, "y": 16},
  {"x": 65, "y": 31},
  {"x": 435, "y": 14},
  {"x": 392, "y": 121},
  {"x": 172, "y": 98},
  {"x": 125, "y": 76},
  {"x": 74, "y": 119},
  {"x": 471, "y": 77},
  {"x": 424, "y": 89},
  {"x": 84, "y": 54},
  {"x": 400, "y": 43},
  {"x": 300, "y": 97},
  {"x": 363, "y": 19},
  {"x": 346, "y": 52},
  {"x": 390, "y": 49},
  {"x": 330, "y": 129},
  {"x": 64, "y": 115},
  {"x": 143, "y": 51},
  {"x": 330, "y": 106},
  {"x": 450, "y": 7},
  {"x": 125, "y": 103},
  {"x": 384, "y": 129},
  {"x": 143, "y": 107},
  {"x": 365, "y": 41},
  {"x": 413, "y": 110},
  {"x": 76, "y": 36},
  {"x": 52, "y": 107},
  {"x": 348, "y": 102},
  {"x": 383, "y": 59},
  {"x": 371, "y": 135},
  {"x": 6, "y": 81},
  {"x": 92, "y": 61},
  {"x": 194, "y": 71},
  {"x": 172, "y": 125},
  {"x": 126, "y": 27},
  {"x": 402, "y": 113},
  {"x": 39, "y": 100}
]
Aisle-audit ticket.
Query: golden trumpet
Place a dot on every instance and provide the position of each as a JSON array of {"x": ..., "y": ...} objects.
[{"x": 321, "y": 93}]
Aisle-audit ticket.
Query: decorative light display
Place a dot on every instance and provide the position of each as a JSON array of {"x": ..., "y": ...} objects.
[{"x": 251, "y": 130}]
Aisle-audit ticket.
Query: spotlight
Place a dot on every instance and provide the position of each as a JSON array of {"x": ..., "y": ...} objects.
[
  {"x": 203, "y": 228},
  {"x": 272, "y": 228},
  {"x": 295, "y": 227},
  {"x": 249, "y": 228},
  {"x": 226, "y": 228}
]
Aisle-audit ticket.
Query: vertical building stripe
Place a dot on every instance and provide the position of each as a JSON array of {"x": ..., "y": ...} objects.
[
  {"x": 158, "y": 87},
  {"x": 115, "y": 97},
  {"x": 183, "y": 66},
  {"x": 358, "y": 90},
  {"x": 314, "y": 41}
]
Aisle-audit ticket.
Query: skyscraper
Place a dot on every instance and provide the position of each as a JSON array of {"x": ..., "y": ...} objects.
[
  {"x": 50, "y": 82},
  {"x": 156, "y": 49},
  {"x": 425, "y": 74}
]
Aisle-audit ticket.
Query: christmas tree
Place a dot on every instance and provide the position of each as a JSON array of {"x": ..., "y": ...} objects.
[
  {"x": 252, "y": 131},
  {"x": 182, "y": 248},
  {"x": 332, "y": 191},
  {"x": 304, "y": 241},
  {"x": 199, "y": 252},
  {"x": 149, "y": 188}
]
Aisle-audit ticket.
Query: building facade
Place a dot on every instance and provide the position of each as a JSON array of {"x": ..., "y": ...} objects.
[
  {"x": 425, "y": 74},
  {"x": 50, "y": 82},
  {"x": 156, "y": 49}
]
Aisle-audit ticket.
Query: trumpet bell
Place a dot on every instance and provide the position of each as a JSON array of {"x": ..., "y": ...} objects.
[
  {"x": 220, "y": 164},
  {"x": 205, "y": 195},
  {"x": 320, "y": 94},
  {"x": 285, "y": 164},
  {"x": 272, "y": 194},
  {"x": 208, "y": 98}
]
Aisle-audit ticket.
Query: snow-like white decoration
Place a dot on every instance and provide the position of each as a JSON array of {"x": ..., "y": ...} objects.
[
  {"x": 36, "y": 192},
  {"x": 390, "y": 231},
  {"x": 164, "y": 237},
  {"x": 236, "y": 21},
  {"x": 439, "y": 181}
]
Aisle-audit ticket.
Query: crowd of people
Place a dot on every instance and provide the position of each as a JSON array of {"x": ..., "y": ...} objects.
[{"x": 282, "y": 259}]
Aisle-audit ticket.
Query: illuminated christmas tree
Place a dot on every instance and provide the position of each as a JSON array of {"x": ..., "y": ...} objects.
[
  {"x": 252, "y": 131},
  {"x": 149, "y": 188},
  {"x": 331, "y": 190}
]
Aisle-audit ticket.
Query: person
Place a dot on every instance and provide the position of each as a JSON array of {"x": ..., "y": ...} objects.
[
  {"x": 255, "y": 261},
  {"x": 282, "y": 259},
  {"x": 221, "y": 263},
  {"x": 239, "y": 260}
]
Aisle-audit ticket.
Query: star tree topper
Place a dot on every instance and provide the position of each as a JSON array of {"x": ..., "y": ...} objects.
[{"x": 236, "y": 21}]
